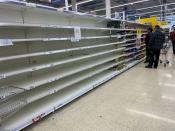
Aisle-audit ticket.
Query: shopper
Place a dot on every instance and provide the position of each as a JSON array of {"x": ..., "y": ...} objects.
[
  {"x": 172, "y": 37},
  {"x": 157, "y": 39},
  {"x": 147, "y": 38}
]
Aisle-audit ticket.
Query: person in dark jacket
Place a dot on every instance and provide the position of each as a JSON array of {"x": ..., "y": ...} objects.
[
  {"x": 147, "y": 38},
  {"x": 157, "y": 39},
  {"x": 172, "y": 37}
]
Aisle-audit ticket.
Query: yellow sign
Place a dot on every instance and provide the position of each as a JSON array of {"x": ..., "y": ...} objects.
[{"x": 152, "y": 21}]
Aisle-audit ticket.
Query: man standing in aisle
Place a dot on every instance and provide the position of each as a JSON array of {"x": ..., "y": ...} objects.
[
  {"x": 156, "y": 42},
  {"x": 147, "y": 38},
  {"x": 172, "y": 37}
]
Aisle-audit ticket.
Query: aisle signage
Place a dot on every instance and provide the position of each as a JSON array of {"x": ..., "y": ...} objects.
[
  {"x": 5, "y": 42},
  {"x": 77, "y": 34}
]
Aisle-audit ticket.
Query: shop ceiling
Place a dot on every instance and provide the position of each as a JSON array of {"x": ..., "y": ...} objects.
[{"x": 133, "y": 7}]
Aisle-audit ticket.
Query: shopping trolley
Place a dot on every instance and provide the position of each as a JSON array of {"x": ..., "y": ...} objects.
[{"x": 163, "y": 57}]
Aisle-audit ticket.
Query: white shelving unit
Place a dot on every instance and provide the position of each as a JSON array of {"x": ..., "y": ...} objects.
[{"x": 49, "y": 58}]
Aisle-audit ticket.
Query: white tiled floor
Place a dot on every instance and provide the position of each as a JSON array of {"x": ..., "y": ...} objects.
[{"x": 138, "y": 100}]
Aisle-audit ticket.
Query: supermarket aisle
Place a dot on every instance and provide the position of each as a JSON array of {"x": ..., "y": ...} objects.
[{"x": 139, "y": 100}]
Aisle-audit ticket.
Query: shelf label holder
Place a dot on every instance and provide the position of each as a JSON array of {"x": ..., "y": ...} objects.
[
  {"x": 77, "y": 34},
  {"x": 33, "y": 5},
  {"x": 6, "y": 42}
]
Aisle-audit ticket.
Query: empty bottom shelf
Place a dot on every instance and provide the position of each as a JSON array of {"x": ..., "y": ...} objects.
[{"x": 38, "y": 109}]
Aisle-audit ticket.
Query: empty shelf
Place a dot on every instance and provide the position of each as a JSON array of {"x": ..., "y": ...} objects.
[
  {"x": 39, "y": 109},
  {"x": 125, "y": 45},
  {"x": 127, "y": 40},
  {"x": 21, "y": 70},
  {"x": 60, "y": 39},
  {"x": 41, "y": 79},
  {"x": 134, "y": 34},
  {"x": 43, "y": 91},
  {"x": 11, "y": 107},
  {"x": 17, "y": 25},
  {"x": 9, "y": 91},
  {"x": 55, "y": 51},
  {"x": 131, "y": 48},
  {"x": 39, "y": 39},
  {"x": 130, "y": 59},
  {"x": 141, "y": 53},
  {"x": 141, "y": 49},
  {"x": 53, "y": 102},
  {"x": 127, "y": 35},
  {"x": 39, "y": 75}
]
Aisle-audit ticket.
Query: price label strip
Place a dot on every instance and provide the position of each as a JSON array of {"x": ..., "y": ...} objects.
[
  {"x": 6, "y": 42},
  {"x": 31, "y": 5}
]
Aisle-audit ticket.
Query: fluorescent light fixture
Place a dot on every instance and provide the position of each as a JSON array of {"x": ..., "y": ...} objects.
[
  {"x": 83, "y": 2},
  {"x": 132, "y": 3}
]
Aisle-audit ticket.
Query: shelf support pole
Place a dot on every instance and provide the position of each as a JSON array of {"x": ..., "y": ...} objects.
[
  {"x": 108, "y": 8},
  {"x": 74, "y": 5},
  {"x": 66, "y": 5},
  {"x": 163, "y": 10}
]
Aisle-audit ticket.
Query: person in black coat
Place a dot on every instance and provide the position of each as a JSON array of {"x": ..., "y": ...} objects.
[
  {"x": 172, "y": 37},
  {"x": 157, "y": 39},
  {"x": 147, "y": 38}
]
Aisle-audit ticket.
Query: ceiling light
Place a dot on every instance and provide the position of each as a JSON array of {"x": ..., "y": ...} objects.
[{"x": 136, "y": 2}]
